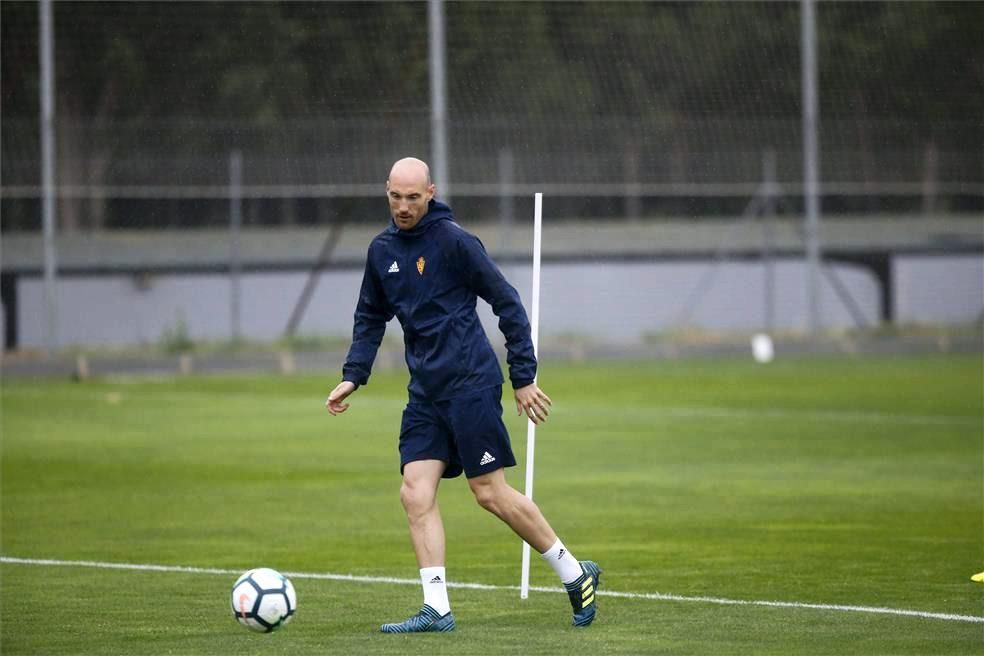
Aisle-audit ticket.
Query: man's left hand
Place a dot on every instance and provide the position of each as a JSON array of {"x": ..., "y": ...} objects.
[{"x": 534, "y": 402}]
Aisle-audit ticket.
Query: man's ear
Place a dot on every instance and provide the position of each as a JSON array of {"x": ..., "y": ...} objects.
[{"x": 431, "y": 190}]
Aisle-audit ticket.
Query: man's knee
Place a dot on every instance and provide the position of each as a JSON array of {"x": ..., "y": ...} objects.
[
  {"x": 489, "y": 491},
  {"x": 418, "y": 492},
  {"x": 416, "y": 498}
]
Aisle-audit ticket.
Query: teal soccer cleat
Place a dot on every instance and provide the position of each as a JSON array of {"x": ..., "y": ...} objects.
[
  {"x": 425, "y": 621},
  {"x": 582, "y": 593}
]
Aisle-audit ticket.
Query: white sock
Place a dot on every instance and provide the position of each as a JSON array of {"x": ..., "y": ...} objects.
[
  {"x": 435, "y": 589},
  {"x": 563, "y": 562}
]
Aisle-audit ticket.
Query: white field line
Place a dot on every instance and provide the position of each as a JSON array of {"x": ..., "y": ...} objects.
[{"x": 655, "y": 596}]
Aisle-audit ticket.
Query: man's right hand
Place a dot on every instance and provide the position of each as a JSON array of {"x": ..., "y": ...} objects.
[{"x": 336, "y": 400}]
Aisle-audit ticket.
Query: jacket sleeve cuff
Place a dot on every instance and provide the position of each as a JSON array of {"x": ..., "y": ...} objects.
[{"x": 521, "y": 382}]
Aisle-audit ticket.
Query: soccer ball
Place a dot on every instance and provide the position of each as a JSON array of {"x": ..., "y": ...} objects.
[{"x": 263, "y": 599}]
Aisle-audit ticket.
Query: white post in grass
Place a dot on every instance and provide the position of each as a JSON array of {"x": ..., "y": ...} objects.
[{"x": 524, "y": 586}]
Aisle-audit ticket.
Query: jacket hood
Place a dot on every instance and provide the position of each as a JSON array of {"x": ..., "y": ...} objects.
[{"x": 436, "y": 211}]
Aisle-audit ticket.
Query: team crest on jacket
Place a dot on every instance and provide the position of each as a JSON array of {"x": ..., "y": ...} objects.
[{"x": 420, "y": 265}]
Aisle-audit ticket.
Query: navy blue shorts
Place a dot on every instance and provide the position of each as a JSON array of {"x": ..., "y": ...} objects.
[{"x": 466, "y": 432}]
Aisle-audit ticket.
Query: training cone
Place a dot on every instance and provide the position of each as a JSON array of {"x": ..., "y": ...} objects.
[{"x": 978, "y": 578}]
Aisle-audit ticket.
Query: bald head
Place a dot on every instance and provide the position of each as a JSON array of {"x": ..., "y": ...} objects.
[
  {"x": 412, "y": 170},
  {"x": 409, "y": 190}
]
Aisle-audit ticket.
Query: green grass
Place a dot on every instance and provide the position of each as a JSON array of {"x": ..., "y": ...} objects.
[{"x": 838, "y": 481}]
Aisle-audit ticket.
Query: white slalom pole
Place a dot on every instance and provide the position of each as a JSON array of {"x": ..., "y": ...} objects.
[{"x": 524, "y": 586}]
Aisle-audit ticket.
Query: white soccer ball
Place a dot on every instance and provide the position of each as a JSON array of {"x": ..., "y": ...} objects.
[{"x": 263, "y": 599}]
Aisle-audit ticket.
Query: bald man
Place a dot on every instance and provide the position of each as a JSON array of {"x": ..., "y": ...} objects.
[{"x": 428, "y": 272}]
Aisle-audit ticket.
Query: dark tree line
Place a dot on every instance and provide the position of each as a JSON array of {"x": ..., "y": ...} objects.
[
  {"x": 183, "y": 72},
  {"x": 265, "y": 61}
]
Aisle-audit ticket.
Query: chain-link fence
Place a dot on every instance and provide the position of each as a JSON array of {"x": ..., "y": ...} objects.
[{"x": 617, "y": 109}]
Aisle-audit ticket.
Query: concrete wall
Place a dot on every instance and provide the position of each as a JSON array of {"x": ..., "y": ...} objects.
[
  {"x": 938, "y": 289},
  {"x": 604, "y": 301}
]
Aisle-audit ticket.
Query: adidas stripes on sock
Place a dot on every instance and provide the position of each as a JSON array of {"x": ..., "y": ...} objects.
[
  {"x": 563, "y": 562},
  {"x": 435, "y": 589}
]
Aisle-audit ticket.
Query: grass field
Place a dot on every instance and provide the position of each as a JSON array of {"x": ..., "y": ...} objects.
[{"x": 836, "y": 482}]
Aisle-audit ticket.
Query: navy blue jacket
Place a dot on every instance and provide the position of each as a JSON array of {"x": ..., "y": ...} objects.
[{"x": 429, "y": 277}]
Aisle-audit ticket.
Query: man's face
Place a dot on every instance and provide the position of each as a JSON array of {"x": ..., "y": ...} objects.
[{"x": 408, "y": 199}]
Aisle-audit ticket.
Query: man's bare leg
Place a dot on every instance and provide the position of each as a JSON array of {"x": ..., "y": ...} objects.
[{"x": 418, "y": 493}]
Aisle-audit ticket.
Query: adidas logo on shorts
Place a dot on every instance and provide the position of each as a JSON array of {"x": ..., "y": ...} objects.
[{"x": 486, "y": 459}]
